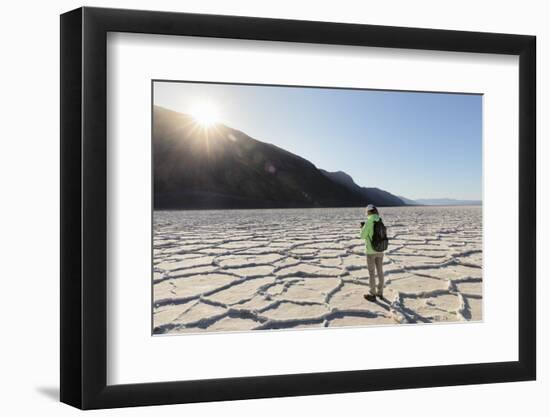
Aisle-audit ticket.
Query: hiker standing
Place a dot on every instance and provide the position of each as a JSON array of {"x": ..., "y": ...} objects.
[{"x": 373, "y": 232}]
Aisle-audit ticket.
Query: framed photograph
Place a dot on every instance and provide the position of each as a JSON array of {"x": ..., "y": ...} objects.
[{"x": 257, "y": 208}]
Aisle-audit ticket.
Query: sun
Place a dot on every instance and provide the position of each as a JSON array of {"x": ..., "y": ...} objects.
[{"x": 205, "y": 114}]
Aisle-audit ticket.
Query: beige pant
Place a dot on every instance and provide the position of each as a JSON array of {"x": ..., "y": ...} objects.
[{"x": 375, "y": 262}]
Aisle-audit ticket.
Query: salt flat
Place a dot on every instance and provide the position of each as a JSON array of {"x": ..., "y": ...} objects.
[{"x": 235, "y": 270}]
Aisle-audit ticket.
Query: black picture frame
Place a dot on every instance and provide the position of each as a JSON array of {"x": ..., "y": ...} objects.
[{"x": 84, "y": 207}]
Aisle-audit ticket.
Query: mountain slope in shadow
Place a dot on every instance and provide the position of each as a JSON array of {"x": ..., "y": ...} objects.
[
  {"x": 222, "y": 168},
  {"x": 370, "y": 194}
]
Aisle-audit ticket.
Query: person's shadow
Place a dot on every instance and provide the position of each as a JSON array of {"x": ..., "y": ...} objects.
[
  {"x": 50, "y": 392},
  {"x": 382, "y": 302}
]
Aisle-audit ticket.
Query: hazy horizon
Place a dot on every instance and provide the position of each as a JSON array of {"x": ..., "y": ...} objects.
[{"x": 426, "y": 145}]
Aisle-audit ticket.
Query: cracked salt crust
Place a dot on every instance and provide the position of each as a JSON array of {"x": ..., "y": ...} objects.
[{"x": 300, "y": 268}]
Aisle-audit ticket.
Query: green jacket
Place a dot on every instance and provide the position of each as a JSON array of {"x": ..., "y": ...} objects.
[{"x": 367, "y": 231}]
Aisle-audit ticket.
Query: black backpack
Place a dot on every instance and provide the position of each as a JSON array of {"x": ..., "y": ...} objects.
[{"x": 379, "y": 237}]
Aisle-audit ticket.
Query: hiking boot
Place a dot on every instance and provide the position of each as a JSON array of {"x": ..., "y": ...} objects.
[{"x": 370, "y": 297}]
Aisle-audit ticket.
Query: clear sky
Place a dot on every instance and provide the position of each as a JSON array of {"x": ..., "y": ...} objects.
[{"x": 416, "y": 145}]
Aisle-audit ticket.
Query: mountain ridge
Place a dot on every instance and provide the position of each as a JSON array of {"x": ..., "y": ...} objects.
[
  {"x": 222, "y": 167},
  {"x": 367, "y": 192}
]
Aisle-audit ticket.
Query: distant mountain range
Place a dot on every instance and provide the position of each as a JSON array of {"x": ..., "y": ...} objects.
[
  {"x": 440, "y": 202},
  {"x": 222, "y": 167},
  {"x": 447, "y": 202}
]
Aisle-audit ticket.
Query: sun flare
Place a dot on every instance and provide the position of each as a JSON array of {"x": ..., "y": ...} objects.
[{"x": 205, "y": 114}]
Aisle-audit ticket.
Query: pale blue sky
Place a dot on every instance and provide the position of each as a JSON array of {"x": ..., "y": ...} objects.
[{"x": 417, "y": 145}]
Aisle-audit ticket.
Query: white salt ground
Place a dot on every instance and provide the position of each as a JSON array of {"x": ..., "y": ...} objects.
[{"x": 297, "y": 268}]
